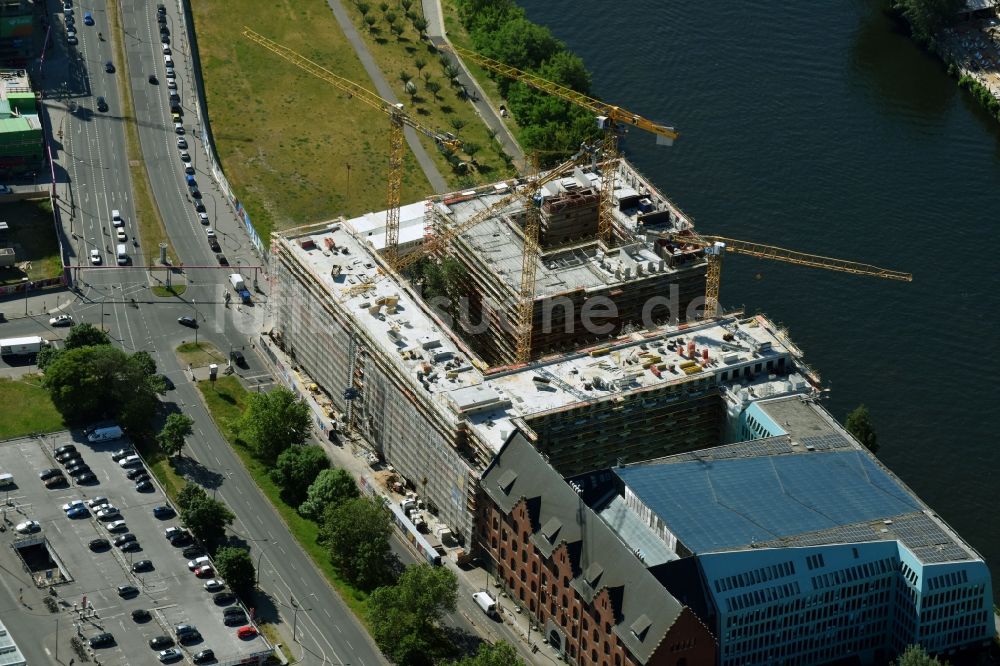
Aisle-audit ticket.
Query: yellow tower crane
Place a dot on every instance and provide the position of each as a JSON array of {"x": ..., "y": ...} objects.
[
  {"x": 716, "y": 246},
  {"x": 610, "y": 119},
  {"x": 397, "y": 119}
]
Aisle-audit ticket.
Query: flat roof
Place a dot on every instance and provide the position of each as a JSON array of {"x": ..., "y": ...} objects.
[
  {"x": 426, "y": 351},
  {"x": 10, "y": 654},
  {"x": 811, "y": 487}
]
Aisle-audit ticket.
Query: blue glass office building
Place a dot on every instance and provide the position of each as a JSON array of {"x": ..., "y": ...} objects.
[{"x": 808, "y": 550}]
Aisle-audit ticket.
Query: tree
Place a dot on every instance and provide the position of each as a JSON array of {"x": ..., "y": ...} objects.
[
  {"x": 927, "y": 17},
  {"x": 498, "y": 654},
  {"x": 458, "y": 124},
  {"x": 205, "y": 517},
  {"x": 92, "y": 382},
  {"x": 236, "y": 567},
  {"x": 46, "y": 356},
  {"x": 433, "y": 87},
  {"x": 175, "y": 431},
  {"x": 859, "y": 424},
  {"x": 404, "y": 617},
  {"x": 411, "y": 89},
  {"x": 397, "y": 29},
  {"x": 914, "y": 655},
  {"x": 390, "y": 18},
  {"x": 420, "y": 25},
  {"x": 370, "y": 21},
  {"x": 405, "y": 77},
  {"x": 85, "y": 335},
  {"x": 331, "y": 487},
  {"x": 296, "y": 468},
  {"x": 419, "y": 63},
  {"x": 364, "y": 8},
  {"x": 272, "y": 422},
  {"x": 356, "y": 533},
  {"x": 405, "y": 4}
]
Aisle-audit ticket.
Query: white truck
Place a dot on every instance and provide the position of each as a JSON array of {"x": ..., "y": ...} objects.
[
  {"x": 240, "y": 287},
  {"x": 22, "y": 346}
]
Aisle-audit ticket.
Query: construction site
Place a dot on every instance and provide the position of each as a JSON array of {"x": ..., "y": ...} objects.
[
  {"x": 438, "y": 402},
  {"x": 577, "y": 306}
]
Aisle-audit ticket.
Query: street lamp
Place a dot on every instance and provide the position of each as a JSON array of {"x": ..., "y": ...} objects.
[{"x": 24, "y": 281}]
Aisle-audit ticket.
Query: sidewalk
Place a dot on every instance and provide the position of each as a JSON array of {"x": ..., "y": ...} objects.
[
  {"x": 353, "y": 457},
  {"x": 479, "y": 99}
]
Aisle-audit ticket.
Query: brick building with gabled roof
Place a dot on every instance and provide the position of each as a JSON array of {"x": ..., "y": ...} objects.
[{"x": 594, "y": 600}]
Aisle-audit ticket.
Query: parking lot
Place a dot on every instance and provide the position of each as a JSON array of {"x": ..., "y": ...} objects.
[{"x": 97, "y": 589}]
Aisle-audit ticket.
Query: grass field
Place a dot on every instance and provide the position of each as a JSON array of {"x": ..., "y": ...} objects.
[
  {"x": 168, "y": 292},
  {"x": 200, "y": 355},
  {"x": 25, "y": 408},
  {"x": 295, "y": 149},
  {"x": 32, "y": 234},
  {"x": 226, "y": 401},
  {"x": 444, "y": 110}
]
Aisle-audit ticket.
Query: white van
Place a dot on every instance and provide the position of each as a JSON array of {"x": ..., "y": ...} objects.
[
  {"x": 486, "y": 602},
  {"x": 6, "y": 480},
  {"x": 122, "y": 254},
  {"x": 105, "y": 434}
]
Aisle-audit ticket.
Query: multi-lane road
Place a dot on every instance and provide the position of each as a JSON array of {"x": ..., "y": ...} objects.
[{"x": 92, "y": 180}]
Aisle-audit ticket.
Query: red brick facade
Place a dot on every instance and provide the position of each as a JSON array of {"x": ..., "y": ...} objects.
[{"x": 541, "y": 586}]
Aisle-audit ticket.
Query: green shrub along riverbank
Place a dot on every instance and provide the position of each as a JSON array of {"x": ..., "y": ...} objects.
[
  {"x": 548, "y": 126},
  {"x": 925, "y": 19}
]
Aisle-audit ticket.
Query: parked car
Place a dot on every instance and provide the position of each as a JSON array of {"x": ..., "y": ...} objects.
[
  {"x": 192, "y": 551},
  {"x": 64, "y": 458},
  {"x": 214, "y": 244},
  {"x": 237, "y": 617},
  {"x": 141, "y": 566},
  {"x": 86, "y": 477},
  {"x": 172, "y": 533},
  {"x": 78, "y": 512},
  {"x": 135, "y": 473},
  {"x": 124, "y": 539},
  {"x": 27, "y": 527},
  {"x": 130, "y": 461},
  {"x": 65, "y": 449},
  {"x": 55, "y": 481},
  {"x": 163, "y": 511},
  {"x": 99, "y": 544},
  {"x": 117, "y": 526},
  {"x": 237, "y": 357},
  {"x": 214, "y": 584},
  {"x": 224, "y": 598},
  {"x": 78, "y": 470},
  {"x": 182, "y": 143},
  {"x": 198, "y": 562},
  {"x": 173, "y": 654},
  {"x": 101, "y": 640},
  {"x": 246, "y": 632},
  {"x": 203, "y": 657},
  {"x": 141, "y": 615},
  {"x": 127, "y": 591},
  {"x": 107, "y": 513},
  {"x": 221, "y": 258},
  {"x": 144, "y": 486},
  {"x": 49, "y": 473},
  {"x": 131, "y": 547},
  {"x": 122, "y": 453},
  {"x": 160, "y": 642},
  {"x": 97, "y": 501}
]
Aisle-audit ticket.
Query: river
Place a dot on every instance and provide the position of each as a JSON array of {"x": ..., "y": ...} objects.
[{"x": 823, "y": 129}]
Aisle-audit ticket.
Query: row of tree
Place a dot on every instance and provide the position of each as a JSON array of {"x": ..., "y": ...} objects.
[{"x": 548, "y": 126}]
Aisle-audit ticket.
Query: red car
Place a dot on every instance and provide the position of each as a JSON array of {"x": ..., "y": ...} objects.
[
  {"x": 204, "y": 571},
  {"x": 246, "y": 632}
]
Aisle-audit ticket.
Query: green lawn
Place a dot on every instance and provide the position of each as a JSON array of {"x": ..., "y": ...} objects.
[
  {"x": 440, "y": 110},
  {"x": 226, "y": 400},
  {"x": 32, "y": 234},
  {"x": 168, "y": 292},
  {"x": 199, "y": 355},
  {"x": 294, "y": 148},
  {"x": 25, "y": 408}
]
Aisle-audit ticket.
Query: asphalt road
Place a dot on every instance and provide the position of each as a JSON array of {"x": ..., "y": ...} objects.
[{"x": 91, "y": 182}]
